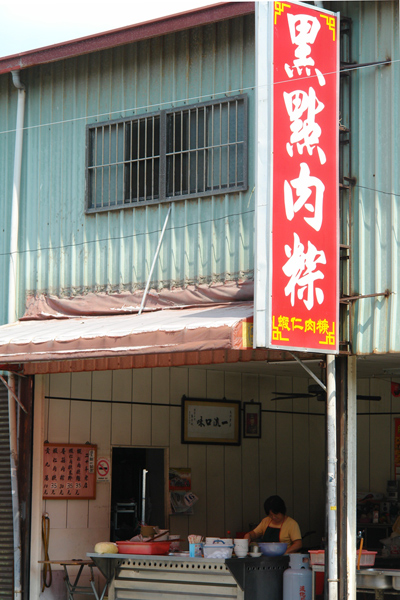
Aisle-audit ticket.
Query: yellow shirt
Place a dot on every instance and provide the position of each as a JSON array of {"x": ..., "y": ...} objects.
[{"x": 289, "y": 530}]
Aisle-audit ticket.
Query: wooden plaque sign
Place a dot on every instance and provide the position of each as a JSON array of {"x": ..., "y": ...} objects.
[{"x": 69, "y": 471}]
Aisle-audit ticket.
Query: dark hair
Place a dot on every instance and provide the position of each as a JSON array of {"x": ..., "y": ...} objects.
[{"x": 274, "y": 504}]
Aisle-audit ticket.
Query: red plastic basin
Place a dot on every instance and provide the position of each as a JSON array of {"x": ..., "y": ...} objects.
[{"x": 144, "y": 547}]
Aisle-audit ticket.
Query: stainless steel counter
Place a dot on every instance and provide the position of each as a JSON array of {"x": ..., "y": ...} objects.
[
  {"x": 371, "y": 578},
  {"x": 145, "y": 577},
  {"x": 378, "y": 579}
]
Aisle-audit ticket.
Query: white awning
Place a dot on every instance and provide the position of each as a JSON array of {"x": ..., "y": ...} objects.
[{"x": 227, "y": 326}]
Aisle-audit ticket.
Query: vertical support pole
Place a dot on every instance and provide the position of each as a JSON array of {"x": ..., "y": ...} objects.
[
  {"x": 144, "y": 497},
  {"x": 341, "y": 407},
  {"x": 351, "y": 495},
  {"x": 39, "y": 436},
  {"x": 12, "y": 315},
  {"x": 331, "y": 484}
]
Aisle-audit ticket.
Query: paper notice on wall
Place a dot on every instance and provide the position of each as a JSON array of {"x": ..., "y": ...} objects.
[{"x": 182, "y": 502}]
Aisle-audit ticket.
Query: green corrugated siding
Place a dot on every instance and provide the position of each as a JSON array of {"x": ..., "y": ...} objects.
[
  {"x": 375, "y": 253},
  {"x": 62, "y": 250},
  {"x": 8, "y": 109}
]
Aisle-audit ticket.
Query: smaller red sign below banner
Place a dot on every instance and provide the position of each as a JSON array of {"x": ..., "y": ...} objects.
[{"x": 395, "y": 389}]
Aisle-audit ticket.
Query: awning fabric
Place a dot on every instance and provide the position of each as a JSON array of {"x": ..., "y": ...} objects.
[{"x": 220, "y": 327}]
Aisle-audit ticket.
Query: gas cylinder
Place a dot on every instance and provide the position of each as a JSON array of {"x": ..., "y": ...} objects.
[{"x": 297, "y": 579}]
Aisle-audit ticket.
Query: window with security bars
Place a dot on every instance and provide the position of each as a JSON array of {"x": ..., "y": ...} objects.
[{"x": 193, "y": 151}]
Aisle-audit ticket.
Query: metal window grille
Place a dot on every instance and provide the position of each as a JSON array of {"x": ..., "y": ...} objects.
[{"x": 193, "y": 151}]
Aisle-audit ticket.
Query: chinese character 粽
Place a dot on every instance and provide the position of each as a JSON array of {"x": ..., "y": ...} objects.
[{"x": 301, "y": 268}]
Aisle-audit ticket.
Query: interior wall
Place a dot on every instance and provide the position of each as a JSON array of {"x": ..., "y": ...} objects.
[
  {"x": 375, "y": 435},
  {"x": 142, "y": 408}
]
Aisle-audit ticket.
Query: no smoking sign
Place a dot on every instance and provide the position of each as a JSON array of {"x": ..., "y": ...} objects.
[{"x": 103, "y": 469}]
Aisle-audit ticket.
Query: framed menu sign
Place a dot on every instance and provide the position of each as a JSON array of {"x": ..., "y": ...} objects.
[{"x": 69, "y": 471}]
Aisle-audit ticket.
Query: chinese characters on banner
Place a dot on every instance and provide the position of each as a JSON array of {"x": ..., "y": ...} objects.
[
  {"x": 305, "y": 241},
  {"x": 69, "y": 471}
]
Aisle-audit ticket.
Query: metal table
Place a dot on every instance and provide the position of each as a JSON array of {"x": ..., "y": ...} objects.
[
  {"x": 74, "y": 587},
  {"x": 169, "y": 576},
  {"x": 369, "y": 578}
]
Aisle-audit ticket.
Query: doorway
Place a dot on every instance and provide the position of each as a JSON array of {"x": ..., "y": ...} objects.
[{"x": 126, "y": 490}]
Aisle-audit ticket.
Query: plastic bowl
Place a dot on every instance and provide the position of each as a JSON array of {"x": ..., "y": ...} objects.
[{"x": 272, "y": 548}]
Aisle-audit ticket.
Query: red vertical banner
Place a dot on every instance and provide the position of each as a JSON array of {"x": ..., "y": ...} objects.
[
  {"x": 304, "y": 301},
  {"x": 397, "y": 449}
]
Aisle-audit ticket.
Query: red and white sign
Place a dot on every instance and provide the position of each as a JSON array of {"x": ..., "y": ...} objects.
[
  {"x": 305, "y": 253},
  {"x": 69, "y": 471},
  {"x": 103, "y": 469},
  {"x": 303, "y": 295}
]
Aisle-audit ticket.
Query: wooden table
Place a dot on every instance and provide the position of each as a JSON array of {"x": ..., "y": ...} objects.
[{"x": 74, "y": 587}]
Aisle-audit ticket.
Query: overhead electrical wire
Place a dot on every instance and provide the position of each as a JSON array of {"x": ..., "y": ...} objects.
[
  {"x": 154, "y": 106},
  {"x": 173, "y": 102},
  {"x": 158, "y": 230},
  {"x": 131, "y": 235}
]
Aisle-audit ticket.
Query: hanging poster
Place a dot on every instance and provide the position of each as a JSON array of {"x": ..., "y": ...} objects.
[
  {"x": 182, "y": 503},
  {"x": 69, "y": 471},
  {"x": 180, "y": 479},
  {"x": 252, "y": 419}
]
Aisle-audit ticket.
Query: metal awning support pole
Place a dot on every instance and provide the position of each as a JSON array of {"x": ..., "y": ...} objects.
[
  {"x": 11, "y": 391},
  {"x": 154, "y": 262},
  {"x": 311, "y": 374},
  {"x": 331, "y": 484}
]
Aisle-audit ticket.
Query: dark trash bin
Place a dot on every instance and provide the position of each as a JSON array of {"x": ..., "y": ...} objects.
[{"x": 260, "y": 578}]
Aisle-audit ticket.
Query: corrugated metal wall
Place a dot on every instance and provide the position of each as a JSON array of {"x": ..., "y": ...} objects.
[
  {"x": 8, "y": 112},
  {"x": 62, "y": 250},
  {"x": 6, "y": 515},
  {"x": 375, "y": 97}
]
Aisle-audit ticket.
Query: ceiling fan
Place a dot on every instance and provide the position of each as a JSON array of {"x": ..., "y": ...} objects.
[{"x": 315, "y": 391}]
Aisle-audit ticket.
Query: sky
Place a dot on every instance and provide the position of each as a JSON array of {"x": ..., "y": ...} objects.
[{"x": 31, "y": 24}]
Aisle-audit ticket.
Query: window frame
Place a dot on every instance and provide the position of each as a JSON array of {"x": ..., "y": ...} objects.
[{"x": 162, "y": 168}]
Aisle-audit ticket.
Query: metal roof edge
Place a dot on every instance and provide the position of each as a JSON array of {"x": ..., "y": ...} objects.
[{"x": 126, "y": 35}]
